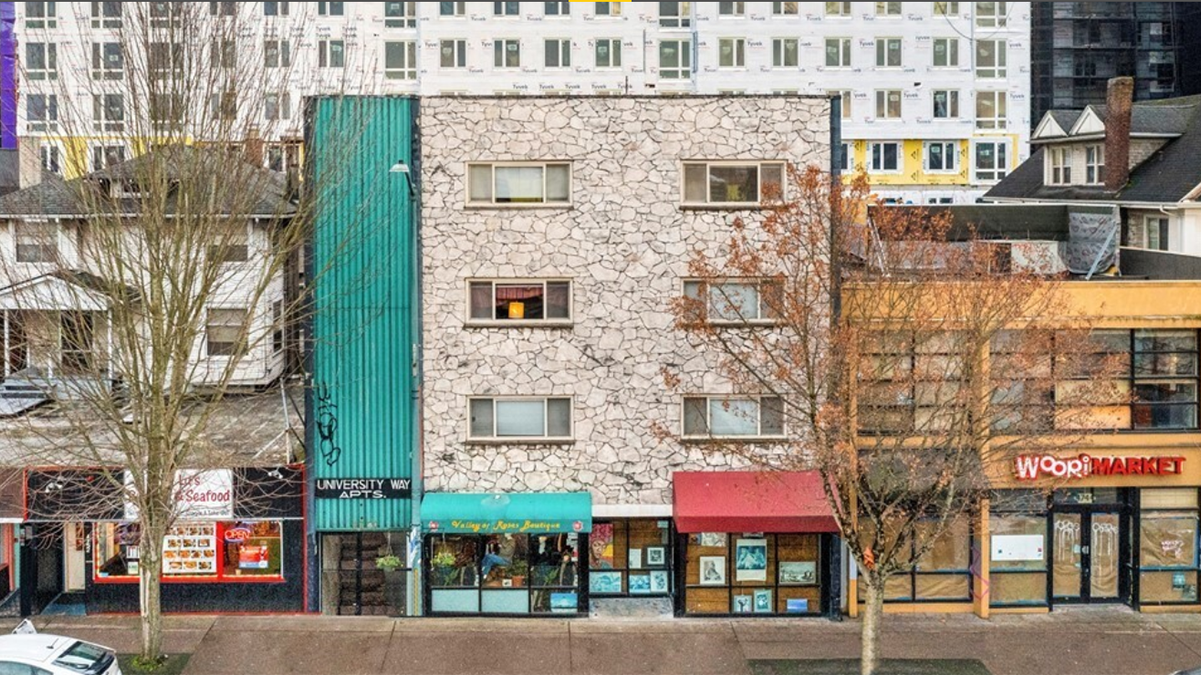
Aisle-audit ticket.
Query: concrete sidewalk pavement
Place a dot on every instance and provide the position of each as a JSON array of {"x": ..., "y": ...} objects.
[{"x": 1093, "y": 641}]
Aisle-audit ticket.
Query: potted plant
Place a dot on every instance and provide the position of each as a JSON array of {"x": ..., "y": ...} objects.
[
  {"x": 442, "y": 569},
  {"x": 394, "y": 583},
  {"x": 518, "y": 570}
]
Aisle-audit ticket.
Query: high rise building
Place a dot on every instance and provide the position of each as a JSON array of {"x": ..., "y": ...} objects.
[{"x": 935, "y": 95}]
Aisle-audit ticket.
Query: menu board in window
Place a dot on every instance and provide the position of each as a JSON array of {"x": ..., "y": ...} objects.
[{"x": 191, "y": 550}]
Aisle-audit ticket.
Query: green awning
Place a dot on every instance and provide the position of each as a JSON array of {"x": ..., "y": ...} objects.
[{"x": 477, "y": 513}]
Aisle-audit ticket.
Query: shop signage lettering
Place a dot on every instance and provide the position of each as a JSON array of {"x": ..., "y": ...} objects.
[
  {"x": 519, "y": 526},
  {"x": 197, "y": 495},
  {"x": 1033, "y": 467},
  {"x": 363, "y": 488}
]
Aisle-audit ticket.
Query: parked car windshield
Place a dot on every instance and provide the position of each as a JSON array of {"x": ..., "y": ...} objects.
[{"x": 81, "y": 657}]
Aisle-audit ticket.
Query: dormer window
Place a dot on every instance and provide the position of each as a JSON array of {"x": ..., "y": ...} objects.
[
  {"x": 126, "y": 189},
  {"x": 1094, "y": 164},
  {"x": 1061, "y": 166}
]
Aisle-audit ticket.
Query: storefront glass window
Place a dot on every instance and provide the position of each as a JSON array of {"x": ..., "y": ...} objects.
[
  {"x": 752, "y": 573},
  {"x": 1018, "y": 567},
  {"x": 195, "y": 552},
  {"x": 630, "y": 557},
  {"x": 1168, "y": 558},
  {"x": 504, "y": 573},
  {"x": 941, "y": 573},
  {"x": 554, "y": 560}
]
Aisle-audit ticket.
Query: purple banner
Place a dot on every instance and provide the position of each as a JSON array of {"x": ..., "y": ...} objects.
[{"x": 8, "y": 76}]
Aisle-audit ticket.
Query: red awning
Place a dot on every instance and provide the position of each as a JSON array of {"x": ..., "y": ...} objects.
[{"x": 747, "y": 501}]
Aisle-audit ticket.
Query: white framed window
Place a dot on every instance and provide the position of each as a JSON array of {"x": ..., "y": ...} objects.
[
  {"x": 41, "y": 61},
  {"x": 737, "y": 301},
  {"x": 41, "y": 15},
  {"x": 52, "y": 154},
  {"x": 785, "y": 8},
  {"x": 946, "y": 52},
  {"x": 884, "y": 157},
  {"x": 108, "y": 112},
  {"x": 607, "y": 8},
  {"x": 845, "y": 157},
  {"x": 165, "y": 59},
  {"x": 838, "y": 9},
  {"x": 519, "y": 183},
  {"x": 277, "y": 54},
  {"x": 941, "y": 156},
  {"x": 1094, "y": 164},
  {"x": 232, "y": 245},
  {"x": 991, "y": 59},
  {"x": 675, "y": 59},
  {"x": 608, "y": 53},
  {"x": 888, "y": 52},
  {"x": 452, "y": 9},
  {"x": 556, "y": 9},
  {"x": 224, "y": 53},
  {"x": 1059, "y": 161},
  {"x": 1150, "y": 232},
  {"x": 506, "y": 8},
  {"x": 400, "y": 15},
  {"x": 224, "y": 105},
  {"x": 452, "y": 53},
  {"x": 785, "y": 53},
  {"x": 331, "y": 9},
  {"x": 675, "y": 14},
  {"x": 992, "y": 14},
  {"x": 838, "y": 52},
  {"x": 37, "y": 241},
  {"x": 731, "y": 183},
  {"x": 108, "y": 62},
  {"x": 104, "y": 155},
  {"x": 331, "y": 53},
  {"x": 946, "y": 9},
  {"x": 731, "y": 53},
  {"x": 733, "y": 417},
  {"x": 888, "y": 104},
  {"x": 165, "y": 107},
  {"x": 844, "y": 98},
  {"x": 506, "y": 53},
  {"x": 519, "y": 302},
  {"x": 990, "y": 160},
  {"x": 946, "y": 104},
  {"x": 41, "y": 112},
  {"x": 225, "y": 331},
  {"x": 520, "y": 418},
  {"x": 888, "y": 9},
  {"x": 275, "y": 8},
  {"x": 991, "y": 109},
  {"x": 223, "y": 8},
  {"x": 277, "y": 327},
  {"x": 277, "y": 106},
  {"x": 400, "y": 60},
  {"x": 106, "y": 14},
  {"x": 731, "y": 8},
  {"x": 557, "y": 53}
]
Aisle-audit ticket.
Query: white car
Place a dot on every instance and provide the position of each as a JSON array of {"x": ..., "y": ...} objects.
[{"x": 41, "y": 654}]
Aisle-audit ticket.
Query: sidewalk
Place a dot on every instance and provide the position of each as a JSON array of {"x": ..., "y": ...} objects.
[{"x": 1092, "y": 641}]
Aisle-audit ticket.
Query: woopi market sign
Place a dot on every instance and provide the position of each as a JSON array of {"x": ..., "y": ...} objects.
[{"x": 1033, "y": 467}]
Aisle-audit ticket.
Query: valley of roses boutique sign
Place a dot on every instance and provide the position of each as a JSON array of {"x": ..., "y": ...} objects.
[{"x": 1034, "y": 467}]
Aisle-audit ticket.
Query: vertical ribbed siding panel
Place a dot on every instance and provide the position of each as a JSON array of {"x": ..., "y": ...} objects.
[{"x": 362, "y": 325}]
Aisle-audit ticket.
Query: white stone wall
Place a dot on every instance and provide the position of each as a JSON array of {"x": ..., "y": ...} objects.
[{"x": 625, "y": 243}]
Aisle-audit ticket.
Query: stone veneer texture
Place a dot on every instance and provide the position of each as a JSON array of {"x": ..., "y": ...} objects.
[{"x": 625, "y": 242}]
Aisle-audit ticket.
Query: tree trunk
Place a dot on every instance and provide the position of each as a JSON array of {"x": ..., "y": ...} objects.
[
  {"x": 150, "y": 591},
  {"x": 873, "y": 614}
]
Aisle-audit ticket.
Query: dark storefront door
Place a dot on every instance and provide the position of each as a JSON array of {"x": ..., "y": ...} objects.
[
  {"x": 1087, "y": 548},
  {"x": 352, "y": 585}
]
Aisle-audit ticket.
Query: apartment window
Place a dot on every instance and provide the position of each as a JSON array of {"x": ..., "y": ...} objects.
[
  {"x": 165, "y": 59},
  {"x": 165, "y": 106},
  {"x": 1165, "y": 379},
  {"x": 941, "y": 574},
  {"x": 731, "y": 53},
  {"x": 888, "y": 52},
  {"x": 223, "y": 8},
  {"x": 838, "y": 52},
  {"x": 946, "y": 8},
  {"x": 506, "y": 8},
  {"x": 731, "y": 8},
  {"x": 785, "y": 53},
  {"x": 164, "y": 14},
  {"x": 941, "y": 156},
  {"x": 675, "y": 14},
  {"x": 991, "y": 59},
  {"x": 556, "y": 8},
  {"x": 884, "y": 157},
  {"x": 108, "y": 112},
  {"x": 224, "y": 53},
  {"x": 608, "y": 53},
  {"x": 224, "y": 106},
  {"x": 104, "y": 156},
  {"x": 675, "y": 59},
  {"x": 520, "y": 302},
  {"x": 733, "y": 417},
  {"x": 992, "y": 14},
  {"x": 838, "y": 9},
  {"x": 106, "y": 14},
  {"x": 1150, "y": 232},
  {"x": 558, "y": 53},
  {"x": 37, "y": 241},
  {"x": 452, "y": 9},
  {"x": 910, "y": 382},
  {"x": 607, "y": 8},
  {"x": 108, "y": 62},
  {"x": 277, "y": 327},
  {"x": 283, "y": 156},
  {"x": 506, "y": 53},
  {"x": 41, "y": 61},
  {"x": 946, "y": 52},
  {"x": 331, "y": 53},
  {"x": 41, "y": 15},
  {"x": 785, "y": 8},
  {"x": 330, "y": 8},
  {"x": 277, "y": 54},
  {"x": 1060, "y": 160},
  {"x": 400, "y": 15},
  {"x": 844, "y": 98},
  {"x": 520, "y": 418},
  {"x": 452, "y": 53},
  {"x": 732, "y": 183},
  {"x": 52, "y": 158},
  {"x": 991, "y": 160},
  {"x": 946, "y": 104},
  {"x": 400, "y": 60},
  {"x": 225, "y": 331},
  {"x": 737, "y": 302},
  {"x": 888, "y": 104},
  {"x": 41, "y": 111},
  {"x": 845, "y": 158},
  {"x": 277, "y": 106},
  {"x": 991, "y": 109},
  {"x": 275, "y": 9},
  {"x": 1094, "y": 164},
  {"x": 519, "y": 183},
  {"x": 232, "y": 245},
  {"x": 888, "y": 9}
]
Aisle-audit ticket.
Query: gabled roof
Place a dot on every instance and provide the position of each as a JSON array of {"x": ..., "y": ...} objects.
[{"x": 61, "y": 292}]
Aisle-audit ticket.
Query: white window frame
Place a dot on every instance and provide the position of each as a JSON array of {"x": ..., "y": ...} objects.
[
  {"x": 847, "y": 151},
  {"x": 522, "y": 440},
  {"x": 946, "y": 9},
  {"x": 884, "y": 97},
  {"x": 992, "y": 14},
  {"x": 562, "y": 47},
  {"x": 614, "y": 45},
  {"x": 611, "y": 9},
  {"x": 52, "y": 154},
  {"x": 737, "y": 52},
  {"x": 230, "y": 246},
  {"x": 952, "y": 105},
  {"x": 545, "y": 203},
  {"x": 781, "y": 8},
  {"x": 407, "y": 18},
  {"x": 994, "y": 174},
  {"x": 281, "y": 49},
  {"x": 1000, "y": 103},
  {"x": 459, "y": 10},
  {"x": 49, "y": 121},
  {"x": 208, "y": 324},
  {"x": 500, "y": 10},
  {"x": 279, "y": 103},
  {"x": 46, "y": 242},
  {"x": 879, "y": 167},
  {"x": 49, "y": 61},
  {"x": 47, "y": 19},
  {"x": 100, "y": 110},
  {"x": 104, "y": 147},
  {"x": 1059, "y": 166},
  {"x": 949, "y": 151},
  {"x": 950, "y": 49},
  {"x": 1094, "y": 164},
  {"x": 886, "y": 9},
  {"x": 999, "y": 69},
  {"x": 845, "y": 95},
  {"x": 711, "y": 400},
  {"x": 1161, "y": 226},
  {"x": 328, "y": 9},
  {"x": 458, "y": 47},
  {"x": 884, "y": 53},
  {"x": 779, "y": 53},
  {"x": 709, "y": 165},
  {"x": 682, "y": 19},
  {"x": 714, "y": 297},
  {"x": 281, "y": 9},
  {"x": 840, "y": 10},
  {"x": 737, "y": 10},
  {"x": 104, "y": 19},
  {"x": 325, "y": 54},
  {"x": 107, "y": 64},
  {"x": 504, "y": 44},
  {"x": 684, "y": 70},
  {"x": 493, "y": 322},
  {"x": 561, "y": 10},
  {"x": 408, "y": 70},
  {"x": 843, "y": 50}
]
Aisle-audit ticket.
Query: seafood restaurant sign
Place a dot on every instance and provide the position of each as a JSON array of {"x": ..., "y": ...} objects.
[
  {"x": 1033, "y": 467},
  {"x": 199, "y": 495}
]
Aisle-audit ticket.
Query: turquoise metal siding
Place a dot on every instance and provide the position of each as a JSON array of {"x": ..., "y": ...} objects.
[{"x": 362, "y": 406}]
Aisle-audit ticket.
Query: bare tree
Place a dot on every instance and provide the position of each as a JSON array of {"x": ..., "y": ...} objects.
[{"x": 876, "y": 339}]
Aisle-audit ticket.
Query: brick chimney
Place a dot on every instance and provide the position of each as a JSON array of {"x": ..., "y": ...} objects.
[
  {"x": 1119, "y": 100},
  {"x": 29, "y": 162}
]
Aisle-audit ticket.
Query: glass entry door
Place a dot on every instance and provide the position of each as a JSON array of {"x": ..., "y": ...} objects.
[{"x": 1087, "y": 549}]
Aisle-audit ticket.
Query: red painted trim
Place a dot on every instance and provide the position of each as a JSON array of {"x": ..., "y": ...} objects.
[
  {"x": 219, "y": 578},
  {"x": 203, "y": 614},
  {"x": 192, "y": 580}
]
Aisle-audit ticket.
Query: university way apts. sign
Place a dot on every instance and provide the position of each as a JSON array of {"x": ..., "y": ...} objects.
[{"x": 363, "y": 488}]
